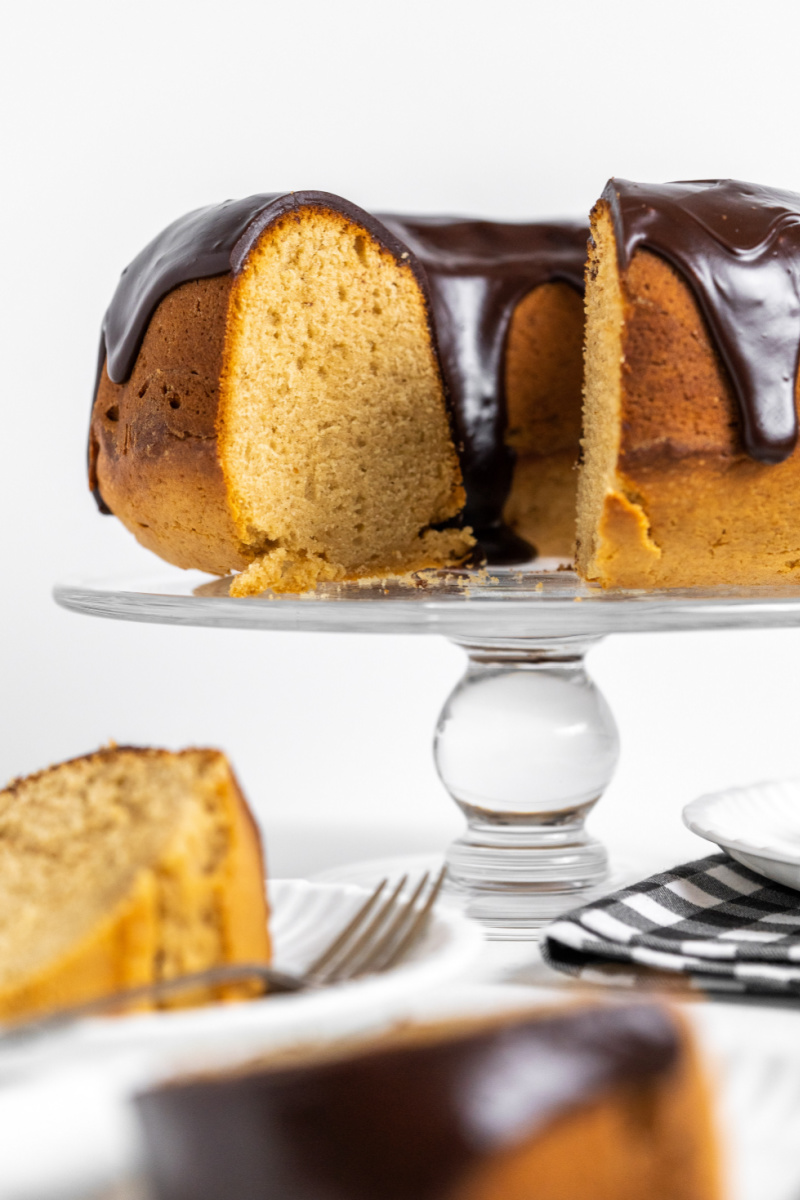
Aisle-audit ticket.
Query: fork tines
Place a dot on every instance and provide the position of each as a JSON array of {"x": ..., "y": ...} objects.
[{"x": 380, "y": 934}]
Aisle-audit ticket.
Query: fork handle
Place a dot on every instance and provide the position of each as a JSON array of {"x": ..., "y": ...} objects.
[{"x": 272, "y": 981}]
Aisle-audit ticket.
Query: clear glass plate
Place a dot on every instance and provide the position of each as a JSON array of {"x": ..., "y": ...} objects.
[{"x": 539, "y": 600}]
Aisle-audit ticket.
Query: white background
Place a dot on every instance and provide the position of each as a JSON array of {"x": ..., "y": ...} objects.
[{"x": 119, "y": 117}]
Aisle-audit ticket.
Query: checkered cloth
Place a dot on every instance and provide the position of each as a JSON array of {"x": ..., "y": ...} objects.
[{"x": 713, "y": 922}]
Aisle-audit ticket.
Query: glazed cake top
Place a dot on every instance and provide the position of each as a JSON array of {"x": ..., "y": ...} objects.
[
  {"x": 403, "y": 1121},
  {"x": 214, "y": 240},
  {"x": 472, "y": 273},
  {"x": 737, "y": 245}
]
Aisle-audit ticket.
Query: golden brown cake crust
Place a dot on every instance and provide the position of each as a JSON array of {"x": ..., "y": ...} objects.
[
  {"x": 153, "y": 442},
  {"x": 684, "y": 504},
  {"x": 677, "y": 401},
  {"x": 658, "y": 1143}
]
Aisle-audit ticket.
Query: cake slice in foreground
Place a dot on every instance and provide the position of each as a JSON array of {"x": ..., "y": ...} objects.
[
  {"x": 122, "y": 868},
  {"x": 690, "y": 475},
  {"x": 587, "y": 1103}
]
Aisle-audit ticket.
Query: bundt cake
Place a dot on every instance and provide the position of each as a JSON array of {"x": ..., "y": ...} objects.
[
  {"x": 122, "y": 868},
  {"x": 600, "y": 1102},
  {"x": 296, "y": 390},
  {"x": 690, "y": 472},
  {"x": 291, "y": 388}
]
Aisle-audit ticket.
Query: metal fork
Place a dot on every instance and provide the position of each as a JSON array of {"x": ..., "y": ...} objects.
[{"x": 374, "y": 940}]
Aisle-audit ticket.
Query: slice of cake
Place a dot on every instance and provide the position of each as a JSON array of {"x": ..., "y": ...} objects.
[
  {"x": 603, "y": 1103},
  {"x": 690, "y": 473},
  {"x": 270, "y": 399},
  {"x": 122, "y": 868}
]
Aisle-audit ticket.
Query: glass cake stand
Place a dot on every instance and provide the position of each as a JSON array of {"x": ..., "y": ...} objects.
[{"x": 525, "y": 744}]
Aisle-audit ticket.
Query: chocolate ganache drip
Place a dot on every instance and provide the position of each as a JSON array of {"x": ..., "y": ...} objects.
[
  {"x": 737, "y": 245},
  {"x": 478, "y": 271},
  {"x": 472, "y": 273},
  {"x": 399, "y": 1123},
  {"x": 215, "y": 240}
]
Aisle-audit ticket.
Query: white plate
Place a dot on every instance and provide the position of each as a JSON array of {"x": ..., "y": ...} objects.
[
  {"x": 68, "y": 1130},
  {"x": 305, "y": 917},
  {"x": 758, "y": 825},
  {"x": 368, "y": 872}
]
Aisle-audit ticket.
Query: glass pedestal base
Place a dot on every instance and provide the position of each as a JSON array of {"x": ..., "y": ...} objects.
[
  {"x": 526, "y": 744},
  {"x": 505, "y": 915},
  {"x": 516, "y": 883}
]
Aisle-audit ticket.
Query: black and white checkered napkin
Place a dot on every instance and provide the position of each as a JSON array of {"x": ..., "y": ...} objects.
[{"x": 714, "y": 922}]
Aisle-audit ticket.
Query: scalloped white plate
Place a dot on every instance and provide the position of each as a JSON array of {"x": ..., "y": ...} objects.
[
  {"x": 758, "y": 825},
  {"x": 68, "y": 1130},
  {"x": 304, "y": 919}
]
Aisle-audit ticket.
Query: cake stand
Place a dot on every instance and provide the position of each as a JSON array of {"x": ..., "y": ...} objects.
[{"x": 525, "y": 743}]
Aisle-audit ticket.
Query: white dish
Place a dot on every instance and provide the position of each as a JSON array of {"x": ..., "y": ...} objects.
[
  {"x": 368, "y": 872},
  {"x": 304, "y": 918},
  {"x": 68, "y": 1129},
  {"x": 758, "y": 825}
]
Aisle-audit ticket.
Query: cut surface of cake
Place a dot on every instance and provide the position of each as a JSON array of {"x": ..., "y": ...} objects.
[
  {"x": 600, "y": 1102},
  {"x": 293, "y": 389},
  {"x": 690, "y": 471},
  {"x": 125, "y": 867},
  {"x": 271, "y": 401}
]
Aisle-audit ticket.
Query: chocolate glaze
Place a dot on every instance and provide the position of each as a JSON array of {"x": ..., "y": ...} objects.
[
  {"x": 401, "y": 1123},
  {"x": 473, "y": 274},
  {"x": 737, "y": 245},
  {"x": 478, "y": 271},
  {"x": 209, "y": 241}
]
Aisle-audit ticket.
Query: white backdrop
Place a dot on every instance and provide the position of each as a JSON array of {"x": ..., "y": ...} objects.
[{"x": 122, "y": 115}]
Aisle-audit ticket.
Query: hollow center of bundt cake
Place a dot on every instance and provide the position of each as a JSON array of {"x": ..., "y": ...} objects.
[
  {"x": 334, "y": 435},
  {"x": 544, "y": 378},
  {"x": 75, "y": 840}
]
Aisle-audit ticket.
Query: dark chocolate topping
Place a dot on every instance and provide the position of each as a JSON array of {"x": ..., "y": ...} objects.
[
  {"x": 209, "y": 241},
  {"x": 478, "y": 271},
  {"x": 473, "y": 274},
  {"x": 737, "y": 245},
  {"x": 401, "y": 1123}
]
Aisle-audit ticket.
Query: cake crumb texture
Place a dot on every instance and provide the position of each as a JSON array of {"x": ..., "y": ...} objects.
[
  {"x": 292, "y": 415},
  {"x": 122, "y": 868}
]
